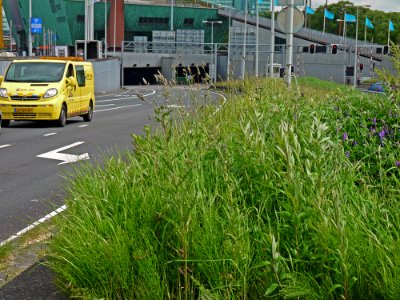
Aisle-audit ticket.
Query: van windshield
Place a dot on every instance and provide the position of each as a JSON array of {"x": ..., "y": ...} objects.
[{"x": 35, "y": 72}]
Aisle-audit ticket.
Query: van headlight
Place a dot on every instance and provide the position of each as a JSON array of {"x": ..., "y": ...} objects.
[
  {"x": 50, "y": 93},
  {"x": 3, "y": 93}
]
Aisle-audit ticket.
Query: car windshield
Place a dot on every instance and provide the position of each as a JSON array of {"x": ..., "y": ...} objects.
[{"x": 35, "y": 72}]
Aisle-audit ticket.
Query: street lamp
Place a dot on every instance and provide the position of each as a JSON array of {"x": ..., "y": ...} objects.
[
  {"x": 30, "y": 29},
  {"x": 356, "y": 46},
  {"x": 212, "y": 28},
  {"x": 212, "y": 22}
]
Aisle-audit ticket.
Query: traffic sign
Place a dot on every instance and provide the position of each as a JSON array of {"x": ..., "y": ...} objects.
[{"x": 36, "y": 25}]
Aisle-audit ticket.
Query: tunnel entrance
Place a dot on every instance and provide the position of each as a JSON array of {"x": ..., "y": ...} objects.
[
  {"x": 191, "y": 74},
  {"x": 135, "y": 76}
]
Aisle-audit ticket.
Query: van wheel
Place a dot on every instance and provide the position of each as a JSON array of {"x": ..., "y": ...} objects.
[
  {"x": 5, "y": 123},
  {"x": 89, "y": 116},
  {"x": 62, "y": 120}
]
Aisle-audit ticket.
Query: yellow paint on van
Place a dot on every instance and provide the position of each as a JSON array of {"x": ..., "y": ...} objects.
[{"x": 47, "y": 89}]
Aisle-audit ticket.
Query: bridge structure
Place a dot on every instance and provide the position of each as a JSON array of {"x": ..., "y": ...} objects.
[{"x": 322, "y": 55}]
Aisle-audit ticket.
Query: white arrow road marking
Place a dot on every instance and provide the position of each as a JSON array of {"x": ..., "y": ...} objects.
[
  {"x": 65, "y": 158},
  {"x": 5, "y": 146}
]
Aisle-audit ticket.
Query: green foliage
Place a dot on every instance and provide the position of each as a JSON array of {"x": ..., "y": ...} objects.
[{"x": 253, "y": 199}]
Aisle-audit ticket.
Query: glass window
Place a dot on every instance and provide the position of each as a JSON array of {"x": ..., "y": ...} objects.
[
  {"x": 80, "y": 75},
  {"x": 35, "y": 72}
]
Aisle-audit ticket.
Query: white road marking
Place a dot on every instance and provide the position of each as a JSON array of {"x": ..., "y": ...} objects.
[
  {"x": 133, "y": 96},
  {"x": 33, "y": 225},
  {"x": 5, "y": 146},
  {"x": 49, "y": 134},
  {"x": 65, "y": 158},
  {"x": 97, "y": 105},
  {"x": 114, "y": 108},
  {"x": 82, "y": 126},
  {"x": 175, "y": 106}
]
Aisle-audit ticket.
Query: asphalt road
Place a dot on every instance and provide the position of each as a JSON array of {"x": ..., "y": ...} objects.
[{"x": 32, "y": 169}]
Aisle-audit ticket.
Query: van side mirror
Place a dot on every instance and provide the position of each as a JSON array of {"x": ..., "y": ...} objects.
[
  {"x": 1, "y": 79},
  {"x": 71, "y": 81}
]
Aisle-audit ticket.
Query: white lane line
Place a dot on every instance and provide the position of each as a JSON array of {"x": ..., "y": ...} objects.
[
  {"x": 133, "y": 96},
  {"x": 223, "y": 103},
  {"x": 114, "y": 108},
  {"x": 221, "y": 95},
  {"x": 49, "y": 134},
  {"x": 33, "y": 225},
  {"x": 5, "y": 146},
  {"x": 175, "y": 106},
  {"x": 115, "y": 99},
  {"x": 145, "y": 95},
  {"x": 82, "y": 126},
  {"x": 97, "y": 105}
]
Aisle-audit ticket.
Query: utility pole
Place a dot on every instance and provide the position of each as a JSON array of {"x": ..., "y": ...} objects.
[
  {"x": 289, "y": 38},
  {"x": 257, "y": 25},
  {"x": 272, "y": 41},
  {"x": 243, "y": 65},
  {"x": 29, "y": 29}
]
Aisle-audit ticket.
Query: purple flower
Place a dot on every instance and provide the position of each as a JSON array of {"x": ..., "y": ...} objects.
[
  {"x": 345, "y": 136},
  {"x": 355, "y": 143},
  {"x": 382, "y": 134},
  {"x": 397, "y": 163},
  {"x": 374, "y": 121},
  {"x": 347, "y": 153}
]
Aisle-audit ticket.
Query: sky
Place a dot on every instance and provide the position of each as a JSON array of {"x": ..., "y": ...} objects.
[{"x": 383, "y": 5}]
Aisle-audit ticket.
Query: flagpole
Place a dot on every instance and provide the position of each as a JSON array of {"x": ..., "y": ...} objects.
[
  {"x": 365, "y": 32},
  {"x": 355, "y": 55},
  {"x": 305, "y": 18},
  {"x": 389, "y": 34},
  {"x": 323, "y": 30}
]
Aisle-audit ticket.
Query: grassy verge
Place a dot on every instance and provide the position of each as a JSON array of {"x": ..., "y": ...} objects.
[
  {"x": 19, "y": 254},
  {"x": 268, "y": 196}
]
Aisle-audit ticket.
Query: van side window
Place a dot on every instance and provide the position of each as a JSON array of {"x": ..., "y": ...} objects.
[
  {"x": 70, "y": 71},
  {"x": 80, "y": 75}
]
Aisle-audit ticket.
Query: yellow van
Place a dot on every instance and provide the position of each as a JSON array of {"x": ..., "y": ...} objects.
[{"x": 47, "y": 89}]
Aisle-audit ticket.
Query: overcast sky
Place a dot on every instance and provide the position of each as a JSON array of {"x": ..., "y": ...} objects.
[{"x": 384, "y": 5}]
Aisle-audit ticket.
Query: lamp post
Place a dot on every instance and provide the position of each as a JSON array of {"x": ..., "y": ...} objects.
[
  {"x": 272, "y": 41},
  {"x": 105, "y": 28},
  {"x": 289, "y": 38},
  {"x": 212, "y": 28},
  {"x": 212, "y": 43},
  {"x": 172, "y": 15},
  {"x": 356, "y": 46},
  {"x": 257, "y": 32},
  {"x": 243, "y": 65},
  {"x": 30, "y": 29}
]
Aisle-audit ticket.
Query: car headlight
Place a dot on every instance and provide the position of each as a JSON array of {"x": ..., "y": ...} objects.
[
  {"x": 50, "y": 93},
  {"x": 3, "y": 93}
]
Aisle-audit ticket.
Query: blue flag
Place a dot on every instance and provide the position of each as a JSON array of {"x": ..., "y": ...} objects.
[
  {"x": 368, "y": 23},
  {"x": 309, "y": 11},
  {"x": 349, "y": 18},
  {"x": 329, "y": 15},
  {"x": 391, "y": 26}
]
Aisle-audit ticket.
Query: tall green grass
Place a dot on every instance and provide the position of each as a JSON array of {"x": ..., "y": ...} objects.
[{"x": 255, "y": 200}]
